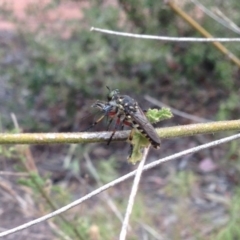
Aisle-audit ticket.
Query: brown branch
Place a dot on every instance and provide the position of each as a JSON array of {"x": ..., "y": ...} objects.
[{"x": 85, "y": 137}]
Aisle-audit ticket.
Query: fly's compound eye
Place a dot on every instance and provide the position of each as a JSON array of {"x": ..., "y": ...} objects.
[{"x": 112, "y": 94}]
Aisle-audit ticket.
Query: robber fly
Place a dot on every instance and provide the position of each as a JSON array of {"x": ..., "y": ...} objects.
[{"x": 126, "y": 111}]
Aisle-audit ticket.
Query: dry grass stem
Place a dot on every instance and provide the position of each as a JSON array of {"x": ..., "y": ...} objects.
[
  {"x": 133, "y": 193},
  {"x": 164, "y": 38}
]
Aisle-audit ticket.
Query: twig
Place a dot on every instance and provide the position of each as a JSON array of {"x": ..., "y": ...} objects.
[
  {"x": 117, "y": 181},
  {"x": 18, "y": 174},
  {"x": 58, "y": 231},
  {"x": 136, "y": 181},
  {"x": 106, "y": 196},
  {"x": 69, "y": 156},
  {"x": 225, "y": 23},
  {"x": 15, "y": 122},
  {"x": 204, "y": 32},
  {"x": 151, "y": 231},
  {"x": 175, "y": 111},
  {"x": 168, "y": 132},
  {"x": 228, "y": 21},
  {"x": 30, "y": 167},
  {"x": 164, "y": 38}
]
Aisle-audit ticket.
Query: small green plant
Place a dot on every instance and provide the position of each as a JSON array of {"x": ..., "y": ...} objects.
[
  {"x": 228, "y": 107},
  {"x": 181, "y": 184},
  {"x": 231, "y": 230},
  {"x": 107, "y": 169}
]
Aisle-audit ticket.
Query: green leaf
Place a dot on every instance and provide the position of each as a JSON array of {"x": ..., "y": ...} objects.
[{"x": 156, "y": 115}]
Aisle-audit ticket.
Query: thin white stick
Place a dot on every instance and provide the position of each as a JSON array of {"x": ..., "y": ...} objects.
[
  {"x": 117, "y": 181},
  {"x": 136, "y": 181},
  {"x": 164, "y": 38}
]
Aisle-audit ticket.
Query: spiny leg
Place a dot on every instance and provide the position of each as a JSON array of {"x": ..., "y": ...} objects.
[
  {"x": 109, "y": 123},
  {"x": 130, "y": 137},
  {"x": 114, "y": 130},
  {"x": 95, "y": 123},
  {"x": 130, "y": 151}
]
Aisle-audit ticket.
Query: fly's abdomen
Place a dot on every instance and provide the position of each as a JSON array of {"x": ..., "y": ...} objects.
[{"x": 150, "y": 133}]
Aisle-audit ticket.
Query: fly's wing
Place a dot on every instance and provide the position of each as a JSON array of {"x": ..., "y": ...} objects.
[{"x": 141, "y": 123}]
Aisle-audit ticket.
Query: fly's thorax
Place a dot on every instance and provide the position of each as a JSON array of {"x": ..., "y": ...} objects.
[
  {"x": 127, "y": 104},
  {"x": 116, "y": 102}
]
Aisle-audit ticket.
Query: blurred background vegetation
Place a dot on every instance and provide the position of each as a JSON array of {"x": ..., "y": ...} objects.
[
  {"x": 53, "y": 68},
  {"x": 60, "y": 66}
]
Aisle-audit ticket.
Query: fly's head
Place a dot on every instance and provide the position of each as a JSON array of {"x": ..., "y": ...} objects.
[{"x": 112, "y": 94}]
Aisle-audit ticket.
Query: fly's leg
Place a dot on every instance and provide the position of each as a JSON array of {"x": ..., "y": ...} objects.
[
  {"x": 130, "y": 137},
  {"x": 109, "y": 123},
  {"x": 115, "y": 129},
  {"x": 130, "y": 151},
  {"x": 95, "y": 123}
]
